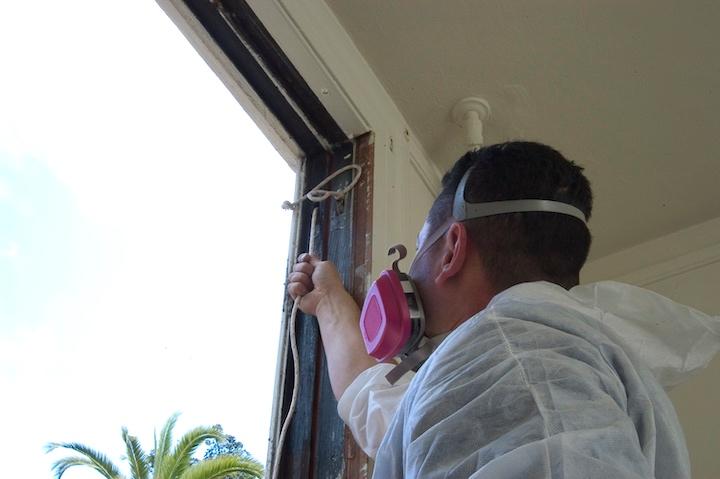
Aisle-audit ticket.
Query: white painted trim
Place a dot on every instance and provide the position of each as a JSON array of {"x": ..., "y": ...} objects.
[
  {"x": 674, "y": 267},
  {"x": 427, "y": 170},
  {"x": 294, "y": 43},
  {"x": 233, "y": 80},
  {"x": 671, "y": 255},
  {"x": 336, "y": 54}
]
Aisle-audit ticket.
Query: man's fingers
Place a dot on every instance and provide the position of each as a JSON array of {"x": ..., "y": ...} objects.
[
  {"x": 308, "y": 258},
  {"x": 305, "y": 268},
  {"x": 297, "y": 289},
  {"x": 300, "y": 278}
]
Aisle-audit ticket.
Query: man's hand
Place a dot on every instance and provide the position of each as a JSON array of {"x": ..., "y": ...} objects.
[
  {"x": 324, "y": 296},
  {"x": 318, "y": 282}
]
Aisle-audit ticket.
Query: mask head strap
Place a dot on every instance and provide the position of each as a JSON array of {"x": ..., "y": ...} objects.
[
  {"x": 415, "y": 359},
  {"x": 462, "y": 210}
]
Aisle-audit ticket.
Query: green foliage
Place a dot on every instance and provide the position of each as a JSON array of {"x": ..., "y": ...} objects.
[
  {"x": 223, "y": 466},
  {"x": 162, "y": 448},
  {"x": 166, "y": 462},
  {"x": 88, "y": 457},
  {"x": 136, "y": 456},
  {"x": 227, "y": 446},
  {"x": 179, "y": 461}
]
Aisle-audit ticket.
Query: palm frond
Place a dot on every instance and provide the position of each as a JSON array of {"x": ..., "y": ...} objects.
[
  {"x": 60, "y": 466},
  {"x": 164, "y": 443},
  {"x": 222, "y": 466},
  {"x": 136, "y": 456},
  {"x": 92, "y": 458},
  {"x": 180, "y": 459}
]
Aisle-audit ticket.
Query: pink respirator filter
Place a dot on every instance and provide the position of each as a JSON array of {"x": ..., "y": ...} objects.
[{"x": 385, "y": 320}]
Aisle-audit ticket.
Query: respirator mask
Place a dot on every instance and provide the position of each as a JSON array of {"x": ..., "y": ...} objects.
[{"x": 392, "y": 321}]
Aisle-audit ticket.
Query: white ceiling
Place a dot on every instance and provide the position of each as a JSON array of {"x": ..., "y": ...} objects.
[{"x": 628, "y": 89}]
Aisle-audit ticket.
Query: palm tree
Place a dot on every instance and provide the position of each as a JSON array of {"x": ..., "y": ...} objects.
[{"x": 165, "y": 463}]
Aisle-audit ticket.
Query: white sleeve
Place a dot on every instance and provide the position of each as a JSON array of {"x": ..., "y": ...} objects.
[{"x": 368, "y": 405}]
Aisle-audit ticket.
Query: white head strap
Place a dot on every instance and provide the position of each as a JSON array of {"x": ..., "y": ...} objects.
[{"x": 462, "y": 210}]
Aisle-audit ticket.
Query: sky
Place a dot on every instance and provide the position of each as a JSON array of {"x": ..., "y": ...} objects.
[{"x": 142, "y": 244}]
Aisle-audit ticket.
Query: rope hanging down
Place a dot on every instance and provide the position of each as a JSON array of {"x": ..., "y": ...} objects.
[
  {"x": 296, "y": 366},
  {"x": 317, "y": 195}
]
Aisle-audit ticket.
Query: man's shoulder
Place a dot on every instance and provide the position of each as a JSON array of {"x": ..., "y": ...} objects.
[
  {"x": 531, "y": 323},
  {"x": 536, "y": 306}
]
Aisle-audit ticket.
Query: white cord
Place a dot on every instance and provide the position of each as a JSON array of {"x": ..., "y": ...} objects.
[
  {"x": 296, "y": 386},
  {"x": 296, "y": 362},
  {"x": 317, "y": 194}
]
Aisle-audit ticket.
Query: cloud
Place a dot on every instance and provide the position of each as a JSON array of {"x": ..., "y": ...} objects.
[
  {"x": 4, "y": 190},
  {"x": 10, "y": 250}
]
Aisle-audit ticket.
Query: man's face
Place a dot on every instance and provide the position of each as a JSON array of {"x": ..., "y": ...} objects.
[
  {"x": 424, "y": 269},
  {"x": 422, "y": 238},
  {"x": 427, "y": 238}
]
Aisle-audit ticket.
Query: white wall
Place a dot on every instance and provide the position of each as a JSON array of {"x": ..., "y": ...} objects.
[
  {"x": 697, "y": 400},
  {"x": 684, "y": 266}
]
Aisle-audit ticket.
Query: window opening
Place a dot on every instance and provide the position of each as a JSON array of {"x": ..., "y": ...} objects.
[{"x": 317, "y": 444}]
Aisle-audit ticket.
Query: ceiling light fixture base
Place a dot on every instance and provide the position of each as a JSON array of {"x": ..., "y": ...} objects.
[{"x": 470, "y": 113}]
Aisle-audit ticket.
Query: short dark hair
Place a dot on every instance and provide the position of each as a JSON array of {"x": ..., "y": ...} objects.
[{"x": 520, "y": 247}]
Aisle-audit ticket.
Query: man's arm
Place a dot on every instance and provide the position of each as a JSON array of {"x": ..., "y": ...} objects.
[
  {"x": 370, "y": 403},
  {"x": 366, "y": 401},
  {"x": 324, "y": 296}
]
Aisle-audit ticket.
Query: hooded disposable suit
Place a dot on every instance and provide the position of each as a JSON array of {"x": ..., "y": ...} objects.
[{"x": 543, "y": 383}]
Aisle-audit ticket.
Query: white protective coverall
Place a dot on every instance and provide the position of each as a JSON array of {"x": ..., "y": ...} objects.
[{"x": 543, "y": 383}]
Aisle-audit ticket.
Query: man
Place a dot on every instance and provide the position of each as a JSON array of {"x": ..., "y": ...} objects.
[{"x": 538, "y": 377}]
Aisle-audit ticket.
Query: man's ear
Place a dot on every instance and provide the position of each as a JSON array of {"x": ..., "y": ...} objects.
[{"x": 455, "y": 253}]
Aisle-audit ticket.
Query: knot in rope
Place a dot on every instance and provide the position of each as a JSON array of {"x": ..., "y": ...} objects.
[{"x": 317, "y": 194}]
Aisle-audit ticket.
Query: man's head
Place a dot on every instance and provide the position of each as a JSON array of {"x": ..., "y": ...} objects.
[{"x": 488, "y": 255}]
